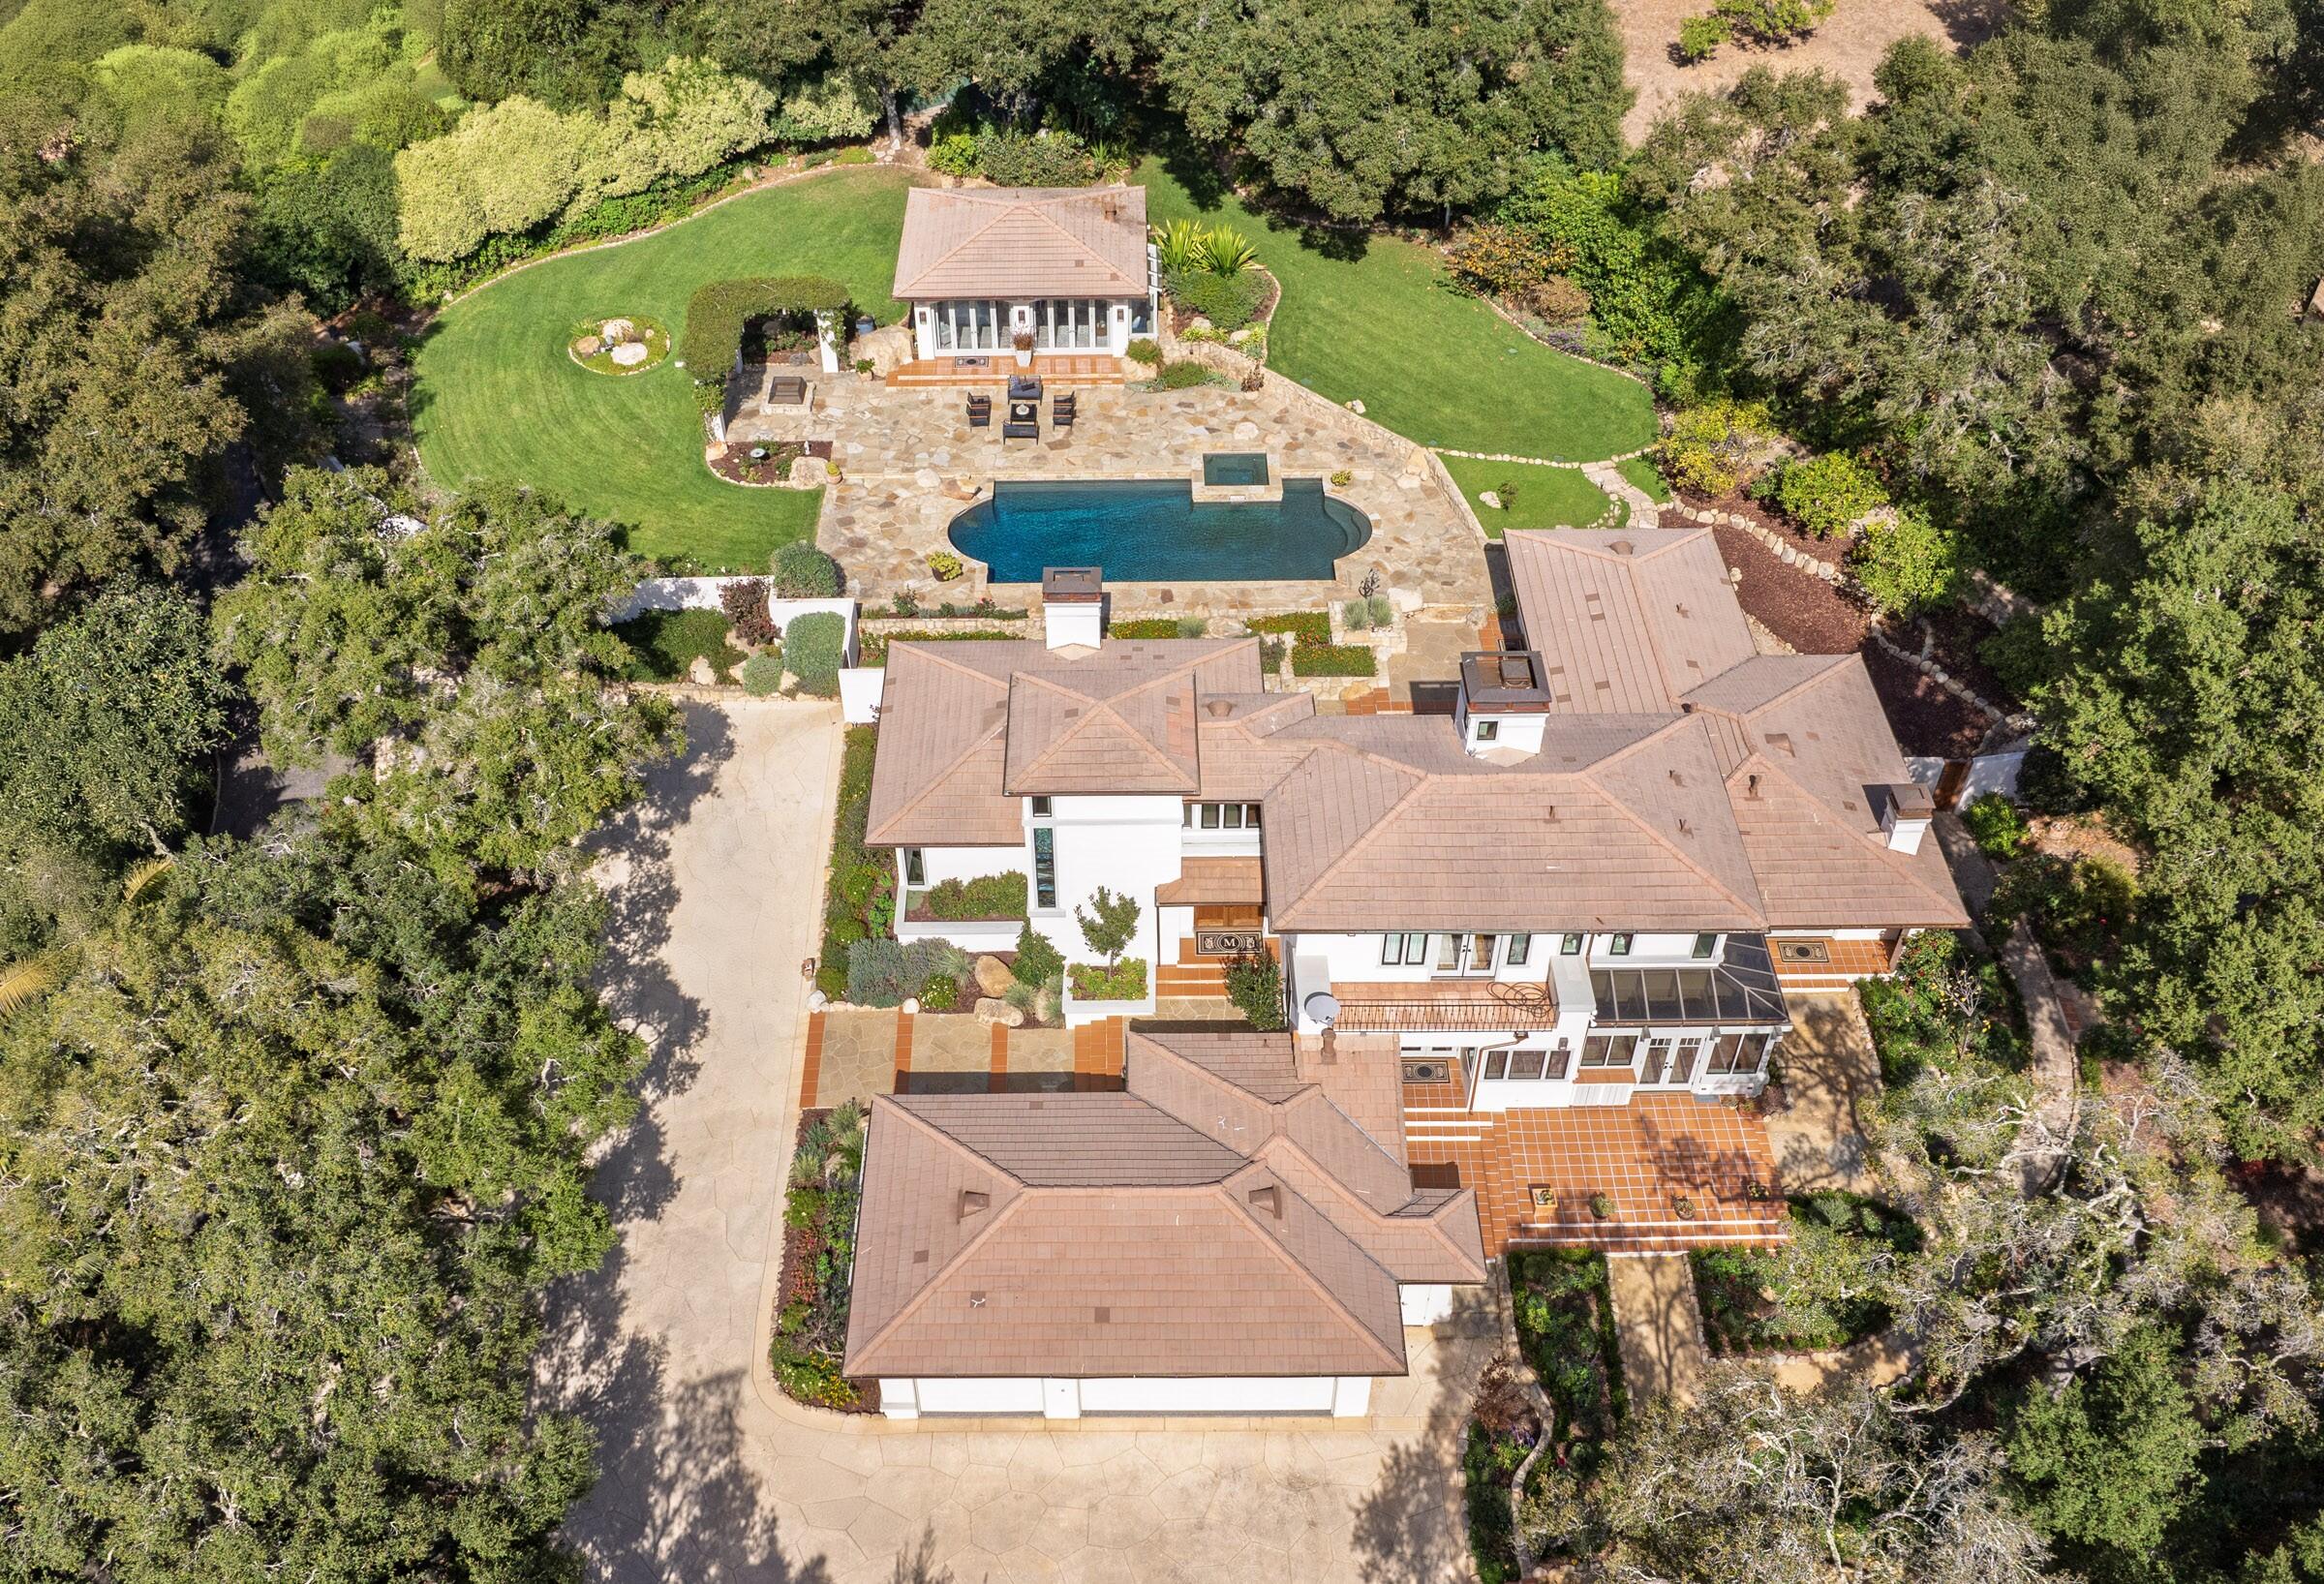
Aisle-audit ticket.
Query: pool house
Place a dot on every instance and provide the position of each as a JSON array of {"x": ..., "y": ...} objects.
[{"x": 1068, "y": 267}]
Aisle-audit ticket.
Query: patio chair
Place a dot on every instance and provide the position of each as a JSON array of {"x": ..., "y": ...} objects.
[
  {"x": 1060, "y": 412},
  {"x": 980, "y": 412}
]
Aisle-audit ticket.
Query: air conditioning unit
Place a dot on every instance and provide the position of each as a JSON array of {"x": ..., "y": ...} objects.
[{"x": 1427, "y": 1072}]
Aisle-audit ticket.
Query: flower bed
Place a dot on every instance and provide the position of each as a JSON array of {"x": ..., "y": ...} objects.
[
  {"x": 1303, "y": 627},
  {"x": 600, "y": 353},
  {"x": 987, "y": 897},
  {"x": 871, "y": 647},
  {"x": 766, "y": 464},
  {"x": 1333, "y": 660},
  {"x": 859, "y": 901},
  {"x": 818, "y": 1261},
  {"x": 1125, "y": 981}
]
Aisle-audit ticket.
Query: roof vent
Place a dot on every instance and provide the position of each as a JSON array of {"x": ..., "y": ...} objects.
[
  {"x": 1684, "y": 829},
  {"x": 1218, "y": 709},
  {"x": 1268, "y": 1198},
  {"x": 1623, "y": 547},
  {"x": 1782, "y": 741},
  {"x": 1751, "y": 786},
  {"x": 1681, "y": 609},
  {"x": 1550, "y": 813},
  {"x": 974, "y": 1202},
  {"x": 1677, "y": 780}
]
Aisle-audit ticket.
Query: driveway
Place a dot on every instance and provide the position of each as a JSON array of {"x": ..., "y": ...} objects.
[{"x": 708, "y": 1474}]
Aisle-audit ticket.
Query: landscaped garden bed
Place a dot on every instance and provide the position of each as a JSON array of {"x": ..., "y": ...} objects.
[
  {"x": 1742, "y": 1299},
  {"x": 1564, "y": 1324},
  {"x": 1124, "y": 981},
  {"x": 986, "y": 898},
  {"x": 859, "y": 901},
  {"x": 1945, "y": 1001},
  {"x": 663, "y": 644},
  {"x": 818, "y": 1258},
  {"x": 871, "y": 647},
  {"x": 1313, "y": 653},
  {"x": 762, "y": 465}
]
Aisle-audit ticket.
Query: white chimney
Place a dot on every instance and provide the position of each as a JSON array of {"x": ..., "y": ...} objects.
[
  {"x": 1905, "y": 814},
  {"x": 1073, "y": 606}
]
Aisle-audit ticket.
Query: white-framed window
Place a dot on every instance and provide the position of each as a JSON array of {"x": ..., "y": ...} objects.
[
  {"x": 1487, "y": 730},
  {"x": 915, "y": 872},
  {"x": 1733, "y": 1054},
  {"x": 1068, "y": 323},
  {"x": 1568, "y": 945},
  {"x": 1608, "y": 1050},
  {"x": 1220, "y": 816},
  {"x": 1705, "y": 947},
  {"x": 1617, "y": 945},
  {"x": 971, "y": 325},
  {"x": 1043, "y": 809}
]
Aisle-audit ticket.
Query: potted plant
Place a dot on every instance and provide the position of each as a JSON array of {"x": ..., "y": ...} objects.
[
  {"x": 1022, "y": 341},
  {"x": 1682, "y": 1206},
  {"x": 1602, "y": 1205}
]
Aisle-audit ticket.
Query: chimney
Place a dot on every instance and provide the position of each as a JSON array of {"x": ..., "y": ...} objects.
[
  {"x": 1218, "y": 709},
  {"x": 1073, "y": 606},
  {"x": 973, "y": 1203},
  {"x": 1905, "y": 814}
]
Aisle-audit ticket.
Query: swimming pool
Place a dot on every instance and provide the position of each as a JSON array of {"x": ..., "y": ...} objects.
[{"x": 1152, "y": 530}]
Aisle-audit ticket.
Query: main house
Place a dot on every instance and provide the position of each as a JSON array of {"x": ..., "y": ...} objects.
[
  {"x": 1069, "y": 266},
  {"x": 1587, "y": 885}
]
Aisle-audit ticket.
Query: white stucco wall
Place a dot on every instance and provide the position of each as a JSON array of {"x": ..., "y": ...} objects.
[
  {"x": 1425, "y": 1304},
  {"x": 1127, "y": 844},
  {"x": 1345, "y": 1396}
]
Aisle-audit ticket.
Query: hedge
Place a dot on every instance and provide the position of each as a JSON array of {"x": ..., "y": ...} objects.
[
  {"x": 663, "y": 644},
  {"x": 1308, "y": 626},
  {"x": 1333, "y": 661},
  {"x": 804, "y": 573},
  {"x": 856, "y": 901},
  {"x": 1160, "y": 627},
  {"x": 987, "y": 897},
  {"x": 811, "y": 651},
  {"x": 715, "y": 316}
]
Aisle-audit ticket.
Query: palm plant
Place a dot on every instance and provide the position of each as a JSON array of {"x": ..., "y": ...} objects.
[
  {"x": 1179, "y": 247},
  {"x": 23, "y": 983},
  {"x": 1225, "y": 250}
]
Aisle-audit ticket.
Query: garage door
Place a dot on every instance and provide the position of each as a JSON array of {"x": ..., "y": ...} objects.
[
  {"x": 980, "y": 1396},
  {"x": 1240, "y": 1394}
]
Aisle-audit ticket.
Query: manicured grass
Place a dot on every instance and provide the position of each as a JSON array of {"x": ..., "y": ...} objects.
[
  {"x": 1642, "y": 472},
  {"x": 496, "y": 397},
  {"x": 1541, "y": 497},
  {"x": 1374, "y": 318}
]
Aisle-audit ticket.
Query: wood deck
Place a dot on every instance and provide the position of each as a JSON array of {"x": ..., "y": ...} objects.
[{"x": 1059, "y": 368}]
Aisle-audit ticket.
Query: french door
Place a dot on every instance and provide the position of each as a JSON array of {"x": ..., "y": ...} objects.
[{"x": 1466, "y": 957}]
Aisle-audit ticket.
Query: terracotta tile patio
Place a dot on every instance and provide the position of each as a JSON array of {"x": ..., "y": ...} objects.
[{"x": 1642, "y": 1156}]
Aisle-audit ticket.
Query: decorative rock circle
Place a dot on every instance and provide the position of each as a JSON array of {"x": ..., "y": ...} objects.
[{"x": 588, "y": 346}]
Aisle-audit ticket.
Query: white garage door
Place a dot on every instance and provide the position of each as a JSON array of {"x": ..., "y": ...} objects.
[
  {"x": 980, "y": 1396},
  {"x": 1237, "y": 1394}
]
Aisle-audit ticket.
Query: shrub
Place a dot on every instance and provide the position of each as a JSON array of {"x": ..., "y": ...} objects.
[
  {"x": 1355, "y": 614},
  {"x": 1184, "y": 375},
  {"x": 1255, "y": 984},
  {"x": 1341, "y": 480},
  {"x": 1558, "y": 300},
  {"x": 1228, "y": 301},
  {"x": 944, "y": 566},
  {"x": 1123, "y": 981},
  {"x": 1828, "y": 494},
  {"x": 1383, "y": 609},
  {"x": 1038, "y": 960},
  {"x": 940, "y": 993},
  {"x": 811, "y": 647},
  {"x": 744, "y": 602},
  {"x": 762, "y": 674},
  {"x": 1044, "y": 159},
  {"x": 953, "y": 155},
  {"x": 1333, "y": 661},
  {"x": 1714, "y": 446},
  {"x": 881, "y": 973},
  {"x": 716, "y": 314},
  {"x": 1226, "y": 250},
  {"x": 1145, "y": 350},
  {"x": 804, "y": 573},
  {"x": 663, "y": 644},
  {"x": 1148, "y": 626},
  {"x": 1700, "y": 37},
  {"x": 987, "y": 897},
  {"x": 1995, "y": 824},
  {"x": 2079, "y": 905},
  {"x": 1496, "y": 260},
  {"x": 1179, "y": 247},
  {"x": 1772, "y": 22},
  {"x": 1270, "y": 656},
  {"x": 1907, "y": 563}
]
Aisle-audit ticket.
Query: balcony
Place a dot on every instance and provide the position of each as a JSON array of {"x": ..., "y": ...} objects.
[{"x": 1453, "y": 1006}]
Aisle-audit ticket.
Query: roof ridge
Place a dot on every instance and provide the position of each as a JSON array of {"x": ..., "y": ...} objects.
[
  {"x": 1216, "y": 1081},
  {"x": 1878, "y": 849},
  {"x": 920, "y": 1296},
  {"x": 929, "y": 790},
  {"x": 1362, "y": 1131},
  {"x": 1434, "y": 1218},
  {"x": 1237, "y": 1206},
  {"x": 1773, "y": 699}
]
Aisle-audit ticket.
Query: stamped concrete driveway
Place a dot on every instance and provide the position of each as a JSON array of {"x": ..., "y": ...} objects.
[{"x": 709, "y": 1473}]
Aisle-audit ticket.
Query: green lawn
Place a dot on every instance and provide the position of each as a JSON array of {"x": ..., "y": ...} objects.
[
  {"x": 496, "y": 397},
  {"x": 1642, "y": 472},
  {"x": 1374, "y": 319},
  {"x": 1532, "y": 496}
]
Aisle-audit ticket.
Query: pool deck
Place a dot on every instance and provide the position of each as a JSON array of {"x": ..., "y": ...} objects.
[{"x": 910, "y": 464}]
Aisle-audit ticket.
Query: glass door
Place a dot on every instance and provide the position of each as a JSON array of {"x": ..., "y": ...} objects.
[{"x": 1466, "y": 957}]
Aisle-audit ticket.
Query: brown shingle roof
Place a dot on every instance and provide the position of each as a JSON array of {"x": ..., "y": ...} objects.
[
  {"x": 1626, "y": 622},
  {"x": 1023, "y": 242},
  {"x": 1222, "y": 1218}
]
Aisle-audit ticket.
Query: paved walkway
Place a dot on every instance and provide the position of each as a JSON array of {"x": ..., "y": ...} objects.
[
  {"x": 1658, "y": 1324},
  {"x": 1832, "y": 1082},
  {"x": 1644, "y": 513},
  {"x": 708, "y": 1474}
]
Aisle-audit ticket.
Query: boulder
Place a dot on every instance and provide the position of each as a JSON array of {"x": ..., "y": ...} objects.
[
  {"x": 629, "y": 353},
  {"x": 1488, "y": 497},
  {"x": 618, "y": 330},
  {"x": 1355, "y": 406},
  {"x": 992, "y": 1010},
  {"x": 993, "y": 976},
  {"x": 700, "y": 673},
  {"x": 588, "y": 346}
]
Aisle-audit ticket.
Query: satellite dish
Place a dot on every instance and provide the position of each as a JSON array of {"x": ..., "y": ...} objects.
[{"x": 1323, "y": 1007}]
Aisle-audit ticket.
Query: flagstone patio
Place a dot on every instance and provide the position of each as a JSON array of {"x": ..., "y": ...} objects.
[{"x": 910, "y": 463}]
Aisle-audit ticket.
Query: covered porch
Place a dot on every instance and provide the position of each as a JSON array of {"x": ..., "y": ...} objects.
[{"x": 991, "y": 369}]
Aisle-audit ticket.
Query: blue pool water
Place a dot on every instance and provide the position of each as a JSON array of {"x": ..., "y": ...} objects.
[
  {"x": 1153, "y": 532},
  {"x": 1239, "y": 468}
]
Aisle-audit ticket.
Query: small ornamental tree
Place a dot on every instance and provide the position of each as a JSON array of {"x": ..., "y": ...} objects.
[
  {"x": 1107, "y": 923},
  {"x": 1038, "y": 960}
]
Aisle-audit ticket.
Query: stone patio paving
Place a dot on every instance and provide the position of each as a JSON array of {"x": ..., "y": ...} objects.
[{"x": 910, "y": 464}]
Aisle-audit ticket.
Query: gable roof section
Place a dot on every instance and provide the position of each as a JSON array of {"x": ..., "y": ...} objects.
[
  {"x": 1023, "y": 242},
  {"x": 1629, "y": 621},
  {"x": 1621, "y": 820},
  {"x": 1807, "y": 745}
]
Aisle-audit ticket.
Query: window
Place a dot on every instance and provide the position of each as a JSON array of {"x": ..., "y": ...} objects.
[
  {"x": 1658, "y": 1060},
  {"x": 1496, "y": 1062},
  {"x": 1519, "y": 948},
  {"x": 1706, "y": 945},
  {"x": 1561, "y": 1061},
  {"x": 1250, "y": 817},
  {"x": 1526, "y": 1063},
  {"x": 1487, "y": 730},
  {"x": 1569, "y": 946},
  {"x": 1416, "y": 950},
  {"x": 1604, "y": 1050},
  {"x": 1221, "y": 816},
  {"x": 915, "y": 872},
  {"x": 1042, "y": 807},
  {"x": 1210, "y": 816},
  {"x": 1391, "y": 951},
  {"x": 1617, "y": 945},
  {"x": 1045, "y": 867},
  {"x": 1142, "y": 317}
]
